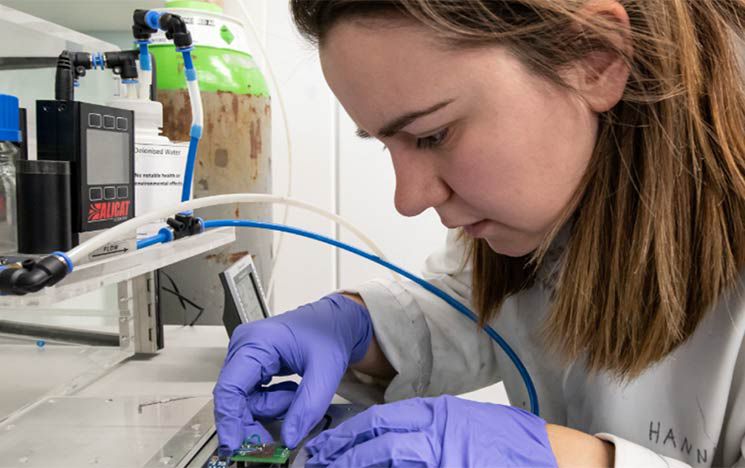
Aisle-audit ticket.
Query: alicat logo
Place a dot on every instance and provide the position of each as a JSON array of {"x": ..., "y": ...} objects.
[{"x": 105, "y": 211}]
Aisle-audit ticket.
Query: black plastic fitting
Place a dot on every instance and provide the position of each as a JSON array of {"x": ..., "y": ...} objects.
[
  {"x": 32, "y": 276},
  {"x": 172, "y": 24},
  {"x": 123, "y": 63},
  {"x": 81, "y": 61},
  {"x": 176, "y": 30},
  {"x": 64, "y": 78},
  {"x": 140, "y": 29},
  {"x": 185, "y": 225},
  {"x": 70, "y": 67}
]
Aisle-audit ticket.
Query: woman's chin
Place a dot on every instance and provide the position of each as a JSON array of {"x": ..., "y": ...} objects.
[{"x": 512, "y": 247}]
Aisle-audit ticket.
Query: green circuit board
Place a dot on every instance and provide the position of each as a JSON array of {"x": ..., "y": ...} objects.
[
  {"x": 271, "y": 454},
  {"x": 252, "y": 452}
]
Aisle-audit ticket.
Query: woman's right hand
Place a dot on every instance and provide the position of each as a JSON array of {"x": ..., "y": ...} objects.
[{"x": 318, "y": 341}]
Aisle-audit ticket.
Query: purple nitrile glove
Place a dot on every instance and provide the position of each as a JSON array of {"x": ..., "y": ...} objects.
[
  {"x": 443, "y": 431},
  {"x": 317, "y": 341}
]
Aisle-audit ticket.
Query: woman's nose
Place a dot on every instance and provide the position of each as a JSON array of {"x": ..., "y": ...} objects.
[{"x": 418, "y": 183}]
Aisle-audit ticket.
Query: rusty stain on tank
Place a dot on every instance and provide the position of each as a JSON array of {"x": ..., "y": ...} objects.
[
  {"x": 226, "y": 258},
  {"x": 239, "y": 125},
  {"x": 232, "y": 157},
  {"x": 255, "y": 130},
  {"x": 221, "y": 157}
]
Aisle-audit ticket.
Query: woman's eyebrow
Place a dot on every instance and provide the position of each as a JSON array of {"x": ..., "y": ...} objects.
[{"x": 403, "y": 121}]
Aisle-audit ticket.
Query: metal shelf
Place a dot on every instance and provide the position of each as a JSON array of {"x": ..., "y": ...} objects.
[{"x": 92, "y": 276}]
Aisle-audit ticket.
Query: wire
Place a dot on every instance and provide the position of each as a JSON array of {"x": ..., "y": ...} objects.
[
  {"x": 530, "y": 387},
  {"x": 288, "y": 192},
  {"x": 183, "y": 300},
  {"x": 78, "y": 254}
]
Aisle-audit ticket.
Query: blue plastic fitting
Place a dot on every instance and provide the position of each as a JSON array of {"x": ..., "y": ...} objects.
[
  {"x": 152, "y": 18},
  {"x": 191, "y": 74},
  {"x": 97, "y": 60},
  {"x": 189, "y": 70},
  {"x": 166, "y": 234},
  {"x": 144, "y": 56}
]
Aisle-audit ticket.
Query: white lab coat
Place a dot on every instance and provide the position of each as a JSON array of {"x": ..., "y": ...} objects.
[{"x": 687, "y": 409}]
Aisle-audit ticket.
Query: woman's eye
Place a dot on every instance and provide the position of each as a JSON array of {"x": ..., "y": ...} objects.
[{"x": 432, "y": 141}]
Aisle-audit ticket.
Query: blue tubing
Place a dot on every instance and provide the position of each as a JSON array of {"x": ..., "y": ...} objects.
[
  {"x": 152, "y": 240},
  {"x": 529, "y": 386},
  {"x": 163, "y": 236},
  {"x": 144, "y": 56},
  {"x": 191, "y": 159},
  {"x": 195, "y": 134},
  {"x": 189, "y": 70}
]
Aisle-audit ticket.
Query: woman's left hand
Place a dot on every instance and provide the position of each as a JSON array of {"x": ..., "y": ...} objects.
[{"x": 442, "y": 431}]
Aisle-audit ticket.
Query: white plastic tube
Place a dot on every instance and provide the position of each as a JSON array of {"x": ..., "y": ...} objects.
[
  {"x": 131, "y": 90},
  {"x": 122, "y": 230},
  {"x": 145, "y": 80},
  {"x": 195, "y": 98}
]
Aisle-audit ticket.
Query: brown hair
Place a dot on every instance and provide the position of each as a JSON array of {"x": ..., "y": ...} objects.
[{"x": 658, "y": 221}]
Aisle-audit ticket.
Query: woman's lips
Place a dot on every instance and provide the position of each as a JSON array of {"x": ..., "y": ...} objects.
[{"x": 476, "y": 229}]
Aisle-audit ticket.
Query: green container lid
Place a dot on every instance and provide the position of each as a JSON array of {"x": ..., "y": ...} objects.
[{"x": 194, "y": 5}]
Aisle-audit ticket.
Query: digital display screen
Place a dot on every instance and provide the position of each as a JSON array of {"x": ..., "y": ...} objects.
[
  {"x": 107, "y": 156},
  {"x": 249, "y": 305}
]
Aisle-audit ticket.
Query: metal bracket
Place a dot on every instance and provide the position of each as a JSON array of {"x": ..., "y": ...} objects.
[{"x": 138, "y": 321}]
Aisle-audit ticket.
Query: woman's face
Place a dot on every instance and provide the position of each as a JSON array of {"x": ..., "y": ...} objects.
[{"x": 472, "y": 133}]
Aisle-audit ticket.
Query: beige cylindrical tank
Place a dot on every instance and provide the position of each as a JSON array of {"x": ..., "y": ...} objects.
[{"x": 234, "y": 154}]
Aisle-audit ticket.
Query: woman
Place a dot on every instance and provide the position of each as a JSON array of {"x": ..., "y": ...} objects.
[{"x": 588, "y": 155}]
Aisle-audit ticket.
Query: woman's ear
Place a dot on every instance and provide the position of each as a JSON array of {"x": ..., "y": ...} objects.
[{"x": 600, "y": 77}]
